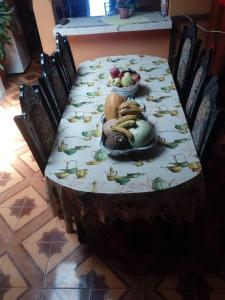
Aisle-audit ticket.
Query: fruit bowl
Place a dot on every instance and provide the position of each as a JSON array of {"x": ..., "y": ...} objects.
[
  {"x": 124, "y": 82},
  {"x": 117, "y": 153},
  {"x": 128, "y": 91}
]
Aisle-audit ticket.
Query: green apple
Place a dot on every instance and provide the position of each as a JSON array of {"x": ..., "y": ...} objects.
[
  {"x": 127, "y": 81},
  {"x": 116, "y": 82}
]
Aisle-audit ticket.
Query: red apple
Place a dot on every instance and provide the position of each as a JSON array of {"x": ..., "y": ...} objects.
[
  {"x": 136, "y": 77},
  {"x": 121, "y": 74},
  {"x": 114, "y": 72}
]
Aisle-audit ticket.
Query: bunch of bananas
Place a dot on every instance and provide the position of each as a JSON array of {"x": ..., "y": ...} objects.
[
  {"x": 129, "y": 108},
  {"x": 124, "y": 123}
]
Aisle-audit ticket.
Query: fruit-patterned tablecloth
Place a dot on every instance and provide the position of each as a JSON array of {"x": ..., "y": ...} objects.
[{"x": 166, "y": 182}]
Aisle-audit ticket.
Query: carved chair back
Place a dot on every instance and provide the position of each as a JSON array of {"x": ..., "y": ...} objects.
[
  {"x": 185, "y": 60},
  {"x": 29, "y": 136},
  {"x": 206, "y": 116},
  {"x": 66, "y": 57},
  {"x": 35, "y": 119},
  {"x": 47, "y": 105},
  {"x": 46, "y": 90},
  {"x": 200, "y": 76},
  {"x": 54, "y": 82}
]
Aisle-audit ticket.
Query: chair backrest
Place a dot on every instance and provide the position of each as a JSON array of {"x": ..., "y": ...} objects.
[
  {"x": 35, "y": 122},
  {"x": 67, "y": 61},
  {"x": 47, "y": 106},
  {"x": 49, "y": 96},
  {"x": 186, "y": 59},
  {"x": 55, "y": 81},
  {"x": 206, "y": 116},
  {"x": 197, "y": 85},
  {"x": 29, "y": 136}
]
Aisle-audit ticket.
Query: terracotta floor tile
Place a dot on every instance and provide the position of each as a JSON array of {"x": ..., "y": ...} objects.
[
  {"x": 39, "y": 253},
  {"x": 73, "y": 271},
  {"x": 44, "y": 233},
  {"x": 104, "y": 277},
  {"x": 11, "y": 276},
  {"x": 10, "y": 216},
  {"x": 10, "y": 177},
  {"x": 22, "y": 294},
  {"x": 65, "y": 294},
  {"x": 28, "y": 158},
  {"x": 112, "y": 294}
]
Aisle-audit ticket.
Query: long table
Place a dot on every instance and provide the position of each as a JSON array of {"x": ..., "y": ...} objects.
[{"x": 85, "y": 183}]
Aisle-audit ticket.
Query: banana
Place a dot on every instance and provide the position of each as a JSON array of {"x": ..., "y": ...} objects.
[
  {"x": 128, "y": 104},
  {"x": 126, "y": 118},
  {"x": 134, "y": 102},
  {"x": 129, "y": 111},
  {"x": 126, "y": 124},
  {"x": 128, "y": 134},
  {"x": 124, "y": 105}
]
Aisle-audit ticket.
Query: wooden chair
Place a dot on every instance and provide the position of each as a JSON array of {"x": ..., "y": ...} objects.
[
  {"x": 47, "y": 105},
  {"x": 206, "y": 117},
  {"x": 185, "y": 60},
  {"x": 200, "y": 76},
  {"x": 35, "y": 126},
  {"x": 66, "y": 58},
  {"x": 46, "y": 90},
  {"x": 53, "y": 81}
]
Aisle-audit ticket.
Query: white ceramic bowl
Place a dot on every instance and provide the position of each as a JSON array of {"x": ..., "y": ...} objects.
[{"x": 129, "y": 91}]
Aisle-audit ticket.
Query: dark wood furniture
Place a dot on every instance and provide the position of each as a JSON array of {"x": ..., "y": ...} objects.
[
  {"x": 47, "y": 105},
  {"x": 200, "y": 76},
  {"x": 35, "y": 125},
  {"x": 52, "y": 81},
  {"x": 66, "y": 58},
  {"x": 206, "y": 117},
  {"x": 185, "y": 61}
]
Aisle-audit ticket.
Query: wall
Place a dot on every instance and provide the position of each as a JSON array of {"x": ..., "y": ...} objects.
[
  {"x": 92, "y": 46},
  {"x": 191, "y": 7},
  {"x": 45, "y": 23},
  {"x": 144, "y": 42}
]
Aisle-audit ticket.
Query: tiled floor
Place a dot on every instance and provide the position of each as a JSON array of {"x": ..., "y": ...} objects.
[{"x": 39, "y": 260}]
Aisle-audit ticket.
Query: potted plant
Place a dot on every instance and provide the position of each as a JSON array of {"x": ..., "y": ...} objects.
[
  {"x": 7, "y": 23},
  {"x": 126, "y": 7}
]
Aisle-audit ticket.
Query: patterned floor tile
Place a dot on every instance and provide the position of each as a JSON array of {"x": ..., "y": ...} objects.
[
  {"x": 9, "y": 177},
  {"x": 104, "y": 278},
  {"x": 73, "y": 271},
  {"x": 28, "y": 197},
  {"x": 39, "y": 253},
  {"x": 10, "y": 275},
  {"x": 28, "y": 158},
  {"x": 190, "y": 279},
  {"x": 18, "y": 293},
  {"x": 45, "y": 233},
  {"x": 66, "y": 294},
  {"x": 115, "y": 294}
]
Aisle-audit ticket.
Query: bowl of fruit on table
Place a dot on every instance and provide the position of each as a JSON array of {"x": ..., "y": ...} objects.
[
  {"x": 124, "y": 82},
  {"x": 126, "y": 128}
]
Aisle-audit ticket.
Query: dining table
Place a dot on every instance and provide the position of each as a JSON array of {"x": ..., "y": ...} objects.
[{"x": 87, "y": 185}]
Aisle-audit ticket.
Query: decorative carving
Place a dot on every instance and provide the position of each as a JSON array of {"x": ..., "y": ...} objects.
[
  {"x": 206, "y": 113},
  {"x": 40, "y": 124},
  {"x": 183, "y": 63},
  {"x": 66, "y": 57},
  {"x": 198, "y": 83},
  {"x": 49, "y": 68}
]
